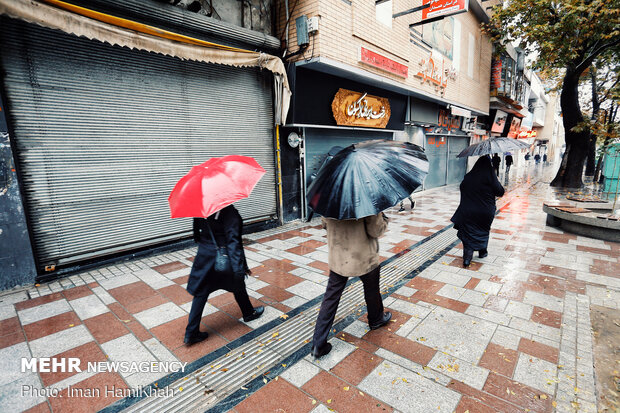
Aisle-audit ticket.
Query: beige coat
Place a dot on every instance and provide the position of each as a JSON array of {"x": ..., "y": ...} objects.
[{"x": 353, "y": 244}]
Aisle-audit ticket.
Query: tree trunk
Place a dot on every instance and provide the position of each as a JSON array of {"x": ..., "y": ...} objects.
[
  {"x": 595, "y": 109},
  {"x": 591, "y": 158},
  {"x": 571, "y": 169}
]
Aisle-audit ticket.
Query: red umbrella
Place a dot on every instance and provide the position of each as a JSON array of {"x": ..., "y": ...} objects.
[{"x": 213, "y": 185}]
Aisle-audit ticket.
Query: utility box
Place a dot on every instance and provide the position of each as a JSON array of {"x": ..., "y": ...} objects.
[
  {"x": 302, "y": 31},
  {"x": 313, "y": 24},
  {"x": 611, "y": 168}
]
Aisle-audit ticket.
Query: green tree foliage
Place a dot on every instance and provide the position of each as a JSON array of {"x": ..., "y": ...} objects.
[{"x": 566, "y": 37}]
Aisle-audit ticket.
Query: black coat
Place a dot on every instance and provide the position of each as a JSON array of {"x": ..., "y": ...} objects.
[
  {"x": 227, "y": 232},
  {"x": 475, "y": 213},
  {"x": 509, "y": 160},
  {"x": 496, "y": 161}
]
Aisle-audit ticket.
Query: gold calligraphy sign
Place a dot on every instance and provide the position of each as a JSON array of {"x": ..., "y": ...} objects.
[{"x": 360, "y": 109}]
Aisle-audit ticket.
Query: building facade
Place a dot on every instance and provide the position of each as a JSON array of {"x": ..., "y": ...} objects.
[
  {"x": 432, "y": 80},
  {"x": 99, "y": 124}
]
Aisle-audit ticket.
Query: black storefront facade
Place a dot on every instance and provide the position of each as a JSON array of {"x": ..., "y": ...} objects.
[
  {"x": 315, "y": 135},
  {"x": 312, "y": 125}
]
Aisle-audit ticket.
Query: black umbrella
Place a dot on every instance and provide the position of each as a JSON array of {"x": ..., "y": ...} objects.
[
  {"x": 366, "y": 178},
  {"x": 493, "y": 145}
]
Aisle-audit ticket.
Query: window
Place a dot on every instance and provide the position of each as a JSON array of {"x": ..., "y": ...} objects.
[
  {"x": 471, "y": 55},
  {"x": 384, "y": 13}
]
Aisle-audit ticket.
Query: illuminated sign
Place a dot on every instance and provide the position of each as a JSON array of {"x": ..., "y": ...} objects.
[
  {"x": 379, "y": 61},
  {"x": 525, "y": 134},
  {"x": 443, "y": 8},
  {"x": 360, "y": 109}
]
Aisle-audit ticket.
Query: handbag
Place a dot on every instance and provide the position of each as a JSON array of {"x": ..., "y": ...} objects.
[{"x": 222, "y": 260}]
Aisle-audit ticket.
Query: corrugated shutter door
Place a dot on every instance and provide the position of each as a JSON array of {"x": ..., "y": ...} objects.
[{"x": 103, "y": 133}]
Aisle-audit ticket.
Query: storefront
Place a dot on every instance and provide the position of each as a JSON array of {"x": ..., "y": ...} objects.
[
  {"x": 441, "y": 135},
  {"x": 330, "y": 112},
  {"x": 102, "y": 133}
]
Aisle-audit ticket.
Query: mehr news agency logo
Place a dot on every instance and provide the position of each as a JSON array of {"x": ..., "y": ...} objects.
[{"x": 74, "y": 365}]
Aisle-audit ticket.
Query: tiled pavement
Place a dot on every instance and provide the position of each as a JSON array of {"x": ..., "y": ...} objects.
[{"x": 512, "y": 333}]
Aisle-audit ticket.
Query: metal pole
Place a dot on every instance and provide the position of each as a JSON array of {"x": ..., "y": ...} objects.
[
  {"x": 402, "y": 13},
  {"x": 613, "y": 208}
]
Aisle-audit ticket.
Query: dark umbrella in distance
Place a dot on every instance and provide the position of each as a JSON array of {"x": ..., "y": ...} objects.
[
  {"x": 493, "y": 145},
  {"x": 364, "y": 179}
]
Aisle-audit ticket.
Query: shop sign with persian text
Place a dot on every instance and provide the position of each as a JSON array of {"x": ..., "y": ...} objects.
[
  {"x": 379, "y": 61},
  {"x": 436, "y": 73},
  {"x": 444, "y": 8},
  {"x": 360, "y": 109}
]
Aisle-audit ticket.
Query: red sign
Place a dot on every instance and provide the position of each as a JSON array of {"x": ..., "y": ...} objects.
[
  {"x": 448, "y": 121},
  {"x": 444, "y": 8},
  {"x": 496, "y": 74},
  {"x": 525, "y": 134},
  {"x": 437, "y": 141},
  {"x": 375, "y": 59}
]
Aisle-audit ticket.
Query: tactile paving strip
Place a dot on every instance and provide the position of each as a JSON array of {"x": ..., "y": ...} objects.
[
  {"x": 209, "y": 385},
  {"x": 204, "y": 388}
]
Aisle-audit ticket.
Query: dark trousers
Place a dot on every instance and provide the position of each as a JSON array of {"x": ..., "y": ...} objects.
[
  {"x": 331, "y": 299},
  {"x": 468, "y": 253},
  {"x": 198, "y": 306}
]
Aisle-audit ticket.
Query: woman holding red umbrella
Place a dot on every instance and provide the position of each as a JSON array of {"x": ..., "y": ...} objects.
[
  {"x": 225, "y": 228},
  {"x": 209, "y": 190}
]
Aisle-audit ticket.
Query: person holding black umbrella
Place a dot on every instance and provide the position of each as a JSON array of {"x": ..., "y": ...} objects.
[
  {"x": 475, "y": 213},
  {"x": 351, "y": 191},
  {"x": 353, "y": 252}
]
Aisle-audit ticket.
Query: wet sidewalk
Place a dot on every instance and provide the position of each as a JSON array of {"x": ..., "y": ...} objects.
[{"x": 510, "y": 333}]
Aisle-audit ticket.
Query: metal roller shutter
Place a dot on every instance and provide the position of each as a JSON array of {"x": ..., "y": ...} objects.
[{"x": 103, "y": 133}]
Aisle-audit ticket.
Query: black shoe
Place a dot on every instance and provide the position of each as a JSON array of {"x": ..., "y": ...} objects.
[
  {"x": 321, "y": 351},
  {"x": 258, "y": 311},
  {"x": 466, "y": 263},
  {"x": 402, "y": 208},
  {"x": 483, "y": 253},
  {"x": 196, "y": 338},
  {"x": 387, "y": 316}
]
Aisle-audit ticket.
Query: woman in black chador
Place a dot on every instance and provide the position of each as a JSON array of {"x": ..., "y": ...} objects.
[
  {"x": 476, "y": 211},
  {"x": 225, "y": 226}
]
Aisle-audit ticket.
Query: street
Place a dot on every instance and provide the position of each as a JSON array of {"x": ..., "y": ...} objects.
[{"x": 510, "y": 333}]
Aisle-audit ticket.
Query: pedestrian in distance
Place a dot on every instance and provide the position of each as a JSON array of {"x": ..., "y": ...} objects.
[
  {"x": 353, "y": 251},
  {"x": 496, "y": 162},
  {"x": 222, "y": 229},
  {"x": 537, "y": 158},
  {"x": 476, "y": 210},
  {"x": 509, "y": 162},
  {"x": 545, "y": 158}
]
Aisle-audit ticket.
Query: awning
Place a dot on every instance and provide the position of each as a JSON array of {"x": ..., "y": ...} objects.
[{"x": 93, "y": 25}]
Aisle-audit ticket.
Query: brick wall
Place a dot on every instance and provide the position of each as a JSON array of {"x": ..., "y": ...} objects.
[{"x": 345, "y": 26}]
